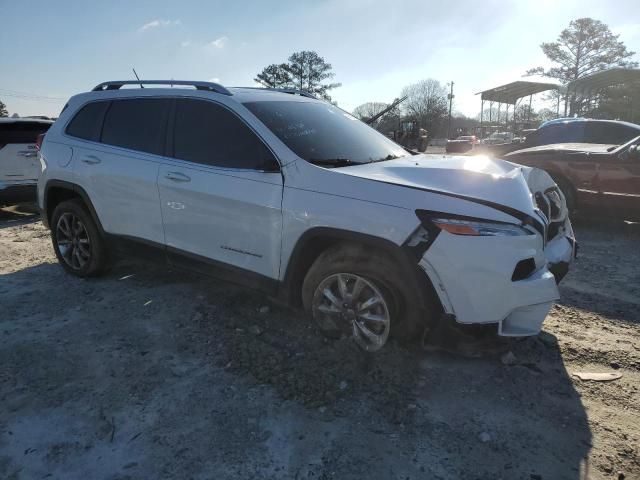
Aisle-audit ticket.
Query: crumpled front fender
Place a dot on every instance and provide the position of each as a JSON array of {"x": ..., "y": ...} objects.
[{"x": 561, "y": 246}]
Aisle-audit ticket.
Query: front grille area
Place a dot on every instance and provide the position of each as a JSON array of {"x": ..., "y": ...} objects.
[{"x": 523, "y": 269}]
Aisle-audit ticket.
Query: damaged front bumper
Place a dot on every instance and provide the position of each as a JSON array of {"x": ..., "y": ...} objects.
[{"x": 484, "y": 280}]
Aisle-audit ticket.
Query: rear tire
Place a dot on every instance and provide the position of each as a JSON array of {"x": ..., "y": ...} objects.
[
  {"x": 356, "y": 277},
  {"x": 77, "y": 241}
]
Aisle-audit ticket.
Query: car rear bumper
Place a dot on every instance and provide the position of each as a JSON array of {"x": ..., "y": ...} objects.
[
  {"x": 476, "y": 279},
  {"x": 23, "y": 191}
]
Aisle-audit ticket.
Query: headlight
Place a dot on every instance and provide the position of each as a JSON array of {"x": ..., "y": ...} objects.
[{"x": 479, "y": 228}]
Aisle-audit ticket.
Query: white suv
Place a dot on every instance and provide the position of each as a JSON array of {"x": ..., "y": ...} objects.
[
  {"x": 291, "y": 195},
  {"x": 19, "y": 166}
]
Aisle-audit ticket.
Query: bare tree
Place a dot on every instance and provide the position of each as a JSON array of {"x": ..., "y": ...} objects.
[
  {"x": 386, "y": 123},
  {"x": 426, "y": 102},
  {"x": 545, "y": 114},
  {"x": 369, "y": 109}
]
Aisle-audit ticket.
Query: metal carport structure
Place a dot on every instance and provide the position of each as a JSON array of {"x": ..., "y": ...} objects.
[
  {"x": 590, "y": 84},
  {"x": 606, "y": 78},
  {"x": 511, "y": 94}
]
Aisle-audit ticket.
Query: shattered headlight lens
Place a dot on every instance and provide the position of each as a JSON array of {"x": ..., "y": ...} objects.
[{"x": 479, "y": 228}]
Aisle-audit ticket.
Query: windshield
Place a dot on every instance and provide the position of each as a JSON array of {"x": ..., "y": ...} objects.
[{"x": 321, "y": 133}]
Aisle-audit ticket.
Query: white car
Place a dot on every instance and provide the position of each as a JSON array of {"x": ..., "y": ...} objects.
[
  {"x": 294, "y": 196},
  {"x": 19, "y": 165},
  {"x": 498, "y": 138}
]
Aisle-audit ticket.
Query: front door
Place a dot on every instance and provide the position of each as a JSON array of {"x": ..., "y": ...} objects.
[
  {"x": 221, "y": 194},
  {"x": 619, "y": 184}
]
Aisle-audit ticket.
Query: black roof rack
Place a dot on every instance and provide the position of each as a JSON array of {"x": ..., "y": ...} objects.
[{"x": 209, "y": 86}]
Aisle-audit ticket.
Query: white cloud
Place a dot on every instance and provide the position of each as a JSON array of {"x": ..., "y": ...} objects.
[
  {"x": 185, "y": 44},
  {"x": 214, "y": 80},
  {"x": 219, "y": 43},
  {"x": 158, "y": 23}
]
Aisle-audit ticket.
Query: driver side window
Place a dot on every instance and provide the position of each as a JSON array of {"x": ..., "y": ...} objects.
[{"x": 207, "y": 133}]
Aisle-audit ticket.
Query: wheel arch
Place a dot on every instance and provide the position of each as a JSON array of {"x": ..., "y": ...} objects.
[
  {"x": 315, "y": 241},
  {"x": 564, "y": 182},
  {"x": 57, "y": 191}
]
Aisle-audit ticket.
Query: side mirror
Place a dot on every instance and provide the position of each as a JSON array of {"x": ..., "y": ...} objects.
[
  {"x": 634, "y": 152},
  {"x": 271, "y": 165}
]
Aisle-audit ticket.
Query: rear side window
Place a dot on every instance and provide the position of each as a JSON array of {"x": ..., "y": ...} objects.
[
  {"x": 610, "y": 133},
  {"x": 21, "y": 132},
  {"x": 572, "y": 132},
  {"x": 207, "y": 133},
  {"x": 88, "y": 121},
  {"x": 137, "y": 124}
]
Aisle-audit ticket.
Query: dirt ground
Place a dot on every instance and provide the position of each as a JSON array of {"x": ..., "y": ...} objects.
[{"x": 150, "y": 373}]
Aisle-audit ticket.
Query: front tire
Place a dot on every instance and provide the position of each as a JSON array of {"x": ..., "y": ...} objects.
[
  {"x": 77, "y": 242},
  {"x": 350, "y": 290},
  {"x": 568, "y": 192}
]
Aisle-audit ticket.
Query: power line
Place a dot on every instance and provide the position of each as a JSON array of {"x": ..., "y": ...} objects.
[{"x": 29, "y": 96}]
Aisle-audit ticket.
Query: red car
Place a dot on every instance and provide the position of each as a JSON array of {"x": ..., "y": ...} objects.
[{"x": 591, "y": 176}]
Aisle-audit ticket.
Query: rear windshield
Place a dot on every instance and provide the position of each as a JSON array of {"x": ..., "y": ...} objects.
[
  {"x": 320, "y": 132},
  {"x": 21, "y": 132}
]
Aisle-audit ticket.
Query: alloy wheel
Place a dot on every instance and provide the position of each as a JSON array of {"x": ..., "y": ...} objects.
[
  {"x": 73, "y": 241},
  {"x": 349, "y": 303}
]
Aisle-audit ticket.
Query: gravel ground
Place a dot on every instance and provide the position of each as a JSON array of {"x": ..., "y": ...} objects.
[{"x": 151, "y": 373}]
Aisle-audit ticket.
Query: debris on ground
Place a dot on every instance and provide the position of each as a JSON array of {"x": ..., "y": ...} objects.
[
  {"x": 509, "y": 359},
  {"x": 598, "y": 376},
  {"x": 201, "y": 384},
  {"x": 256, "y": 330}
]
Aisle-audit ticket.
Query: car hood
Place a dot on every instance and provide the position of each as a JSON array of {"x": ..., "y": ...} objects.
[
  {"x": 566, "y": 147},
  {"x": 476, "y": 178}
]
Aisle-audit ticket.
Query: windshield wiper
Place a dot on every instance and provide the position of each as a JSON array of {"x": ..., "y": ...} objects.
[
  {"x": 388, "y": 157},
  {"x": 334, "y": 162}
]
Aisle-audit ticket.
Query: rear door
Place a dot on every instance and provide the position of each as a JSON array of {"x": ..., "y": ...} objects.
[
  {"x": 117, "y": 164},
  {"x": 221, "y": 194},
  {"x": 18, "y": 155}
]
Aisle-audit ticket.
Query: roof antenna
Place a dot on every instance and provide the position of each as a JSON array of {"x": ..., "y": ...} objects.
[{"x": 134, "y": 72}]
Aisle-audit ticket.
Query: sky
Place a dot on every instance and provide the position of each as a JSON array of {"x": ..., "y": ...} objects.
[{"x": 51, "y": 50}]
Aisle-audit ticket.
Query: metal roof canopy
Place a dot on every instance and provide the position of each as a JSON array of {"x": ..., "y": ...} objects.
[
  {"x": 511, "y": 92},
  {"x": 603, "y": 79}
]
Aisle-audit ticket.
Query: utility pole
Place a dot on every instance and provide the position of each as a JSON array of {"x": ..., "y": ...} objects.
[{"x": 450, "y": 97}]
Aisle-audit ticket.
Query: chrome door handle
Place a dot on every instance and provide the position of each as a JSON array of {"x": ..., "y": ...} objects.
[
  {"x": 90, "y": 160},
  {"x": 177, "y": 177},
  {"x": 27, "y": 154}
]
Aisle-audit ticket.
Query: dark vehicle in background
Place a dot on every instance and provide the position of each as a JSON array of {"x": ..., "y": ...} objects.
[
  {"x": 411, "y": 135},
  {"x": 570, "y": 130},
  {"x": 583, "y": 130},
  {"x": 601, "y": 177},
  {"x": 19, "y": 165},
  {"x": 462, "y": 144}
]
